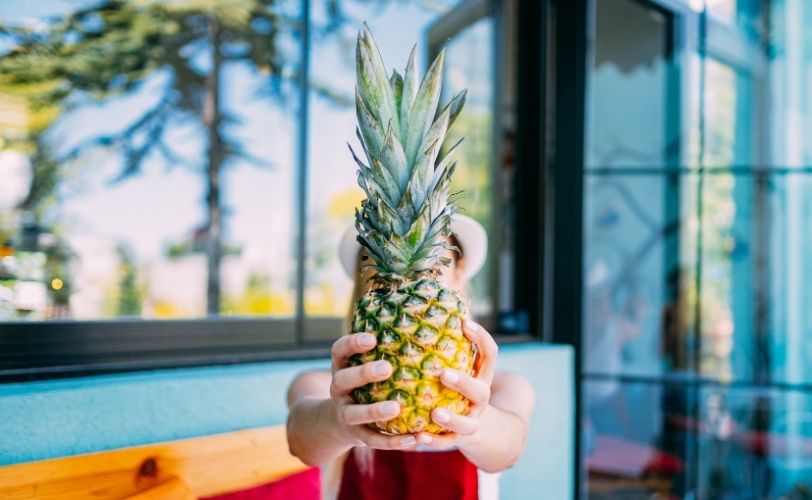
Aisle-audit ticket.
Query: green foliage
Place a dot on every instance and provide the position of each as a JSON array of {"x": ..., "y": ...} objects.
[
  {"x": 474, "y": 163},
  {"x": 113, "y": 47},
  {"x": 45, "y": 177},
  {"x": 130, "y": 294},
  {"x": 57, "y": 267}
]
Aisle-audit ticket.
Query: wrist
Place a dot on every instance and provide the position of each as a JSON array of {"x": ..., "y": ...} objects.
[{"x": 470, "y": 443}]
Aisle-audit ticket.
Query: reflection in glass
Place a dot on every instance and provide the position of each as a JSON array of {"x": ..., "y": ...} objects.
[
  {"x": 755, "y": 273},
  {"x": 630, "y": 123},
  {"x": 636, "y": 441},
  {"x": 727, "y": 116},
  {"x": 728, "y": 280},
  {"x": 741, "y": 238},
  {"x": 743, "y": 15},
  {"x": 788, "y": 238},
  {"x": 786, "y": 133},
  {"x": 754, "y": 443},
  {"x": 639, "y": 262}
]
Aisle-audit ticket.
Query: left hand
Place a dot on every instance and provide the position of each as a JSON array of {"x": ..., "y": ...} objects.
[{"x": 477, "y": 389}]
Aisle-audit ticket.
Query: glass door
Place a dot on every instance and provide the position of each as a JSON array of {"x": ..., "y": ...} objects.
[{"x": 696, "y": 194}]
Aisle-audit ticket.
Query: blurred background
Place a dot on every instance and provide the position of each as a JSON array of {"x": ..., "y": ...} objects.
[
  {"x": 181, "y": 166},
  {"x": 132, "y": 191}
]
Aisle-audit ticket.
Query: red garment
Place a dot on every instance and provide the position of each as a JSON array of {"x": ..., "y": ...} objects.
[
  {"x": 399, "y": 475},
  {"x": 305, "y": 485}
]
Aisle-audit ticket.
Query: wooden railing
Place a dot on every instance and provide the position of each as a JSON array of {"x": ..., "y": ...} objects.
[{"x": 184, "y": 469}]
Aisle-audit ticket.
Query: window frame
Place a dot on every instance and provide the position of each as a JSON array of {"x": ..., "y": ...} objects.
[
  {"x": 562, "y": 134},
  {"x": 70, "y": 348}
]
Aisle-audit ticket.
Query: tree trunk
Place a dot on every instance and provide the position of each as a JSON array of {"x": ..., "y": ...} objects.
[{"x": 214, "y": 226}]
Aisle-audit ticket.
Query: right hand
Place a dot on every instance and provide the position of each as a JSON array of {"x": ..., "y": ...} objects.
[{"x": 352, "y": 418}]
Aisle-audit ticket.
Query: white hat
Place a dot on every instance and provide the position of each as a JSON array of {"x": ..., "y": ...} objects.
[{"x": 471, "y": 235}]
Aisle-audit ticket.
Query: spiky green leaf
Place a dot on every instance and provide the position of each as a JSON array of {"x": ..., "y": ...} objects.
[
  {"x": 394, "y": 159},
  {"x": 409, "y": 92},
  {"x": 396, "y": 82},
  {"x": 373, "y": 82},
  {"x": 371, "y": 129},
  {"x": 405, "y": 220},
  {"x": 422, "y": 111}
]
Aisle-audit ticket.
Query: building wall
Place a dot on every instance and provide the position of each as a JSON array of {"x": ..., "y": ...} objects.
[{"x": 49, "y": 419}]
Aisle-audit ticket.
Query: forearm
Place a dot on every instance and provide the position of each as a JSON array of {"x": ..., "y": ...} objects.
[
  {"x": 498, "y": 443},
  {"x": 313, "y": 433}
]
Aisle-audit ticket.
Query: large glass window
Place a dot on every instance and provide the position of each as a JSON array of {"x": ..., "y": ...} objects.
[
  {"x": 696, "y": 220},
  {"x": 160, "y": 173},
  {"x": 188, "y": 160}
]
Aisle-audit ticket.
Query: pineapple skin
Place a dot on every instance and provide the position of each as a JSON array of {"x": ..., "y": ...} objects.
[{"x": 418, "y": 325}]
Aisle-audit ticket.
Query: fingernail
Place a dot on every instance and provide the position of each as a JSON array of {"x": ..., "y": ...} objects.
[
  {"x": 366, "y": 340},
  {"x": 441, "y": 416},
  {"x": 425, "y": 439},
  {"x": 407, "y": 441},
  {"x": 468, "y": 323},
  {"x": 390, "y": 408},
  {"x": 451, "y": 376},
  {"x": 380, "y": 368}
]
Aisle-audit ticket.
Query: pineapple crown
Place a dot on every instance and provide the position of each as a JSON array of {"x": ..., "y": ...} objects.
[{"x": 404, "y": 222}]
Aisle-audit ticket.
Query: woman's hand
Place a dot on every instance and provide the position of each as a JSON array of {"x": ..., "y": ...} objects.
[
  {"x": 476, "y": 389},
  {"x": 352, "y": 418}
]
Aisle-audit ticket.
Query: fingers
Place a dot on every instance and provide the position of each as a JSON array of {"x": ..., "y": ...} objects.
[
  {"x": 475, "y": 390},
  {"x": 347, "y": 379},
  {"x": 383, "y": 441},
  {"x": 460, "y": 424},
  {"x": 438, "y": 441},
  {"x": 348, "y": 345},
  {"x": 486, "y": 348},
  {"x": 351, "y": 414}
]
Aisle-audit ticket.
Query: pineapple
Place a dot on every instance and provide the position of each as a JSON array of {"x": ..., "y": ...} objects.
[{"x": 403, "y": 227}]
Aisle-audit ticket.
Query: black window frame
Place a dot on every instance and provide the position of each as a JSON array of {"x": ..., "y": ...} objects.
[
  {"x": 71, "y": 348},
  {"x": 551, "y": 73}
]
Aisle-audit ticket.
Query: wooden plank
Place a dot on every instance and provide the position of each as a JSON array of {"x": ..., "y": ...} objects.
[
  {"x": 174, "y": 489},
  {"x": 209, "y": 465}
]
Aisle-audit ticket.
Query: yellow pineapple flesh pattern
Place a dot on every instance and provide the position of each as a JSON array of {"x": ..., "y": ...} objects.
[{"x": 419, "y": 330}]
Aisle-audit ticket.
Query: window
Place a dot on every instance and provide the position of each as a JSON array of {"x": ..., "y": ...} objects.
[
  {"x": 178, "y": 198},
  {"x": 696, "y": 211},
  {"x": 147, "y": 187}
]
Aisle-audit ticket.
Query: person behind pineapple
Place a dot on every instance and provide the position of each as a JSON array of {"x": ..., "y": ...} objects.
[{"x": 325, "y": 425}]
